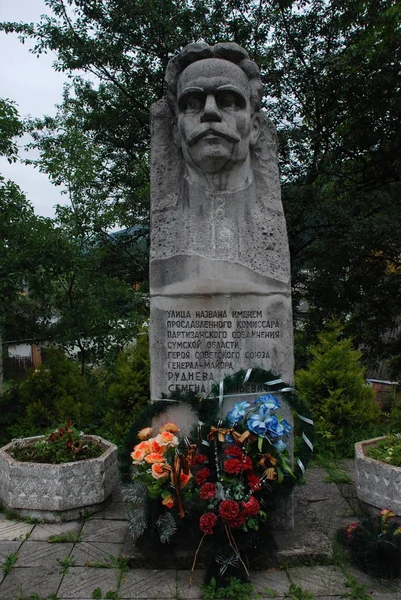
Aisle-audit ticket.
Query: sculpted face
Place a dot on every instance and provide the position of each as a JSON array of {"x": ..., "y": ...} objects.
[{"x": 215, "y": 125}]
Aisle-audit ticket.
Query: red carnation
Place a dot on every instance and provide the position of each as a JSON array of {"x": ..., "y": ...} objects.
[
  {"x": 233, "y": 450},
  {"x": 252, "y": 507},
  {"x": 199, "y": 459},
  {"x": 208, "y": 491},
  {"x": 202, "y": 475},
  {"x": 246, "y": 464},
  {"x": 229, "y": 510},
  {"x": 207, "y": 522},
  {"x": 238, "y": 522},
  {"x": 232, "y": 465},
  {"x": 254, "y": 482}
]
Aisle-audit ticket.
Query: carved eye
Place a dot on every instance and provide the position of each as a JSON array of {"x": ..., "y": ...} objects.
[
  {"x": 194, "y": 103},
  {"x": 227, "y": 100}
]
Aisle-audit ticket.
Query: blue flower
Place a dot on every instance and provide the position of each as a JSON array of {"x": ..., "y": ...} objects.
[
  {"x": 238, "y": 412},
  {"x": 257, "y": 425},
  {"x": 269, "y": 401},
  {"x": 279, "y": 445},
  {"x": 274, "y": 428}
]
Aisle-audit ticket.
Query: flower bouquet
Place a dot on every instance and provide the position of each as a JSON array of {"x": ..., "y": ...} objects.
[
  {"x": 375, "y": 544},
  {"x": 218, "y": 481}
]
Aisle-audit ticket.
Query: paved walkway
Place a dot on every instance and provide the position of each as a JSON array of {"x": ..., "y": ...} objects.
[{"x": 86, "y": 560}]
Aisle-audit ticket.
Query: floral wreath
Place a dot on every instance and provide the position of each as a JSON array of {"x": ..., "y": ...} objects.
[{"x": 226, "y": 476}]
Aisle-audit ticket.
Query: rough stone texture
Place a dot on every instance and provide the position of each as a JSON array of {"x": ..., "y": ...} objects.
[
  {"x": 220, "y": 271},
  {"x": 144, "y": 584},
  {"x": 100, "y": 531},
  {"x": 37, "y": 554},
  {"x": 10, "y": 531},
  {"x": 29, "y": 580},
  {"x": 319, "y": 580},
  {"x": 81, "y": 582},
  {"x": 57, "y": 492},
  {"x": 377, "y": 483},
  {"x": 45, "y": 531}
]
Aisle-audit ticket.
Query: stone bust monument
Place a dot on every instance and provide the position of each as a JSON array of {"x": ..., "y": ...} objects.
[
  {"x": 219, "y": 259},
  {"x": 216, "y": 204}
]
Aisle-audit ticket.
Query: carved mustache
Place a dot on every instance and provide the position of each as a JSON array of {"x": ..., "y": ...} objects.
[{"x": 217, "y": 129}]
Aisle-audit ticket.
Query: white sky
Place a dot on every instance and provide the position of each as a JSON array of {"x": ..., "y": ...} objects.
[{"x": 36, "y": 87}]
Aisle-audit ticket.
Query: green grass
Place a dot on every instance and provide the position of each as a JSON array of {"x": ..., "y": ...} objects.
[
  {"x": 10, "y": 561},
  {"x": 69, "y": 536},
  {"x": 65, "y": 564}
]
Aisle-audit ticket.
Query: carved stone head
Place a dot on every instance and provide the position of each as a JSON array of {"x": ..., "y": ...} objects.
[{"x": 214, "y": 93}]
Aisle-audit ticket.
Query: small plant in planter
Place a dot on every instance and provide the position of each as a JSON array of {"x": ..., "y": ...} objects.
[
  {"x": 375, "y": 544},
  {"x": 65, "y": 444},
  {"x": 61, "y": 476},
  {"x": 387, "y": 450}
]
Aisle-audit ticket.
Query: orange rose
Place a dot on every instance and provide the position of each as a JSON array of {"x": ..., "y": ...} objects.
[
  {"x": 168, "y": 501},
  {"x": 166, "y": 439},
  {"x": 145, "y": 433},
  {"x": 145, "y": 446},
  {"x": 138, "y": 455},
  {"x": 171, "y": 427},
  {"x": 159, "y": 470},
  {"x": 184, "y": 479},
  {"x": 155, "y": 447},
  {"x": 155, "y": 457}
]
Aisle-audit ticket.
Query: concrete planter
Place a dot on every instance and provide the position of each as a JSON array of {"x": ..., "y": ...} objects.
[
  {"x": 378, "y": 484},
  {"x": 57, "y": 492}
]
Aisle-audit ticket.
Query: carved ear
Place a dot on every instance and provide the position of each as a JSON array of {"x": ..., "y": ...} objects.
[{"x": 255, "y": 131}]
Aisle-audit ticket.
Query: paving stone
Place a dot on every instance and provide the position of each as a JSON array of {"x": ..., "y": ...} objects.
[
  {"x": 30, "y": 580},
  {"x": 149, "y": 584},
  {"x": 319, "y": 580},
  {"x": 316, "y": 488},
  {"x": 104, "y": 531},
  {"x": 7, "y": 548},
  {"x": 307, "y": 542},
  {"x": 92, "y": 552},
  {"x": 79, "y": 582},
  {"x": 43, "y": 531},
  {"x": 374, "y": 584},
  {"x": 266, "y": 582},
  {"x": 116, "y": 495},
  {"x": 38, "y": 554},
  {"x": 187, "y": 590},
  {"x": 14, "y": 531},
  {"x": 333, "y": 514},
  {"x": 115, "y": 510}
]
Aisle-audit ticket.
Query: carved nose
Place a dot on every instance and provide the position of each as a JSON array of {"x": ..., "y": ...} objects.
[{"x": 211, "y": 111}]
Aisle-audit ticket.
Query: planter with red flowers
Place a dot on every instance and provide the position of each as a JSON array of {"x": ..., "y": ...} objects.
[{"x": 57, "y": 477}]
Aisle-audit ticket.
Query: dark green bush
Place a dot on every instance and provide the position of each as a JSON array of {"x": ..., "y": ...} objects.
[
  {"x": 100, "y": 401},
  {"x": 334, "y": 389},
  {"x": 129, "y": 390},
  {"x": 55, "y": 392}
]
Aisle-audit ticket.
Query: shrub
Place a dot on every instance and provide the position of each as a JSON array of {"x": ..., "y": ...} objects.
[
  {"x": 129, "y": 390},
  {"x": 334, "y": 390},
  {"x": 56, "y": 391}
]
